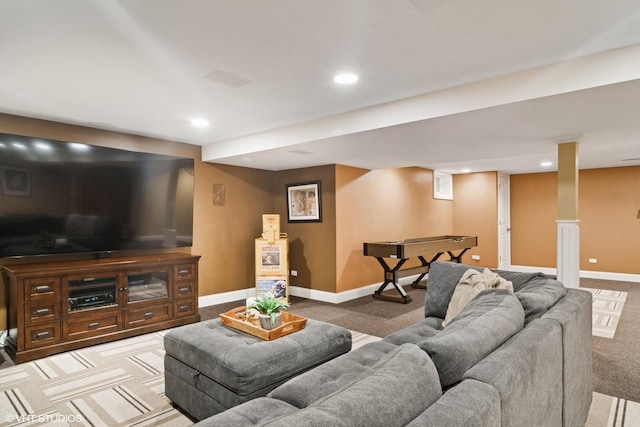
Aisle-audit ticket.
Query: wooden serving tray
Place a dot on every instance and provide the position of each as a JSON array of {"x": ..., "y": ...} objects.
[{"x": 290, "y": 324}]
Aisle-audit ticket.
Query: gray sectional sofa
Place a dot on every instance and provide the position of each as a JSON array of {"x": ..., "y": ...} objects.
[{"x": 509, "y": 358}]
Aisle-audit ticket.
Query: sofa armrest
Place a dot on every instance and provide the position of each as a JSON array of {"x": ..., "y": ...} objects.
[{"x": 573, "y": 313}]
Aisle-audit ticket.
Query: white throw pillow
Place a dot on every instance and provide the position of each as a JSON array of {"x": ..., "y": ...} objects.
[{"x": 471, "y": 284}]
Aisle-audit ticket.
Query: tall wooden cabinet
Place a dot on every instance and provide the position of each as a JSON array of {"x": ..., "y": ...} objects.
[{"x": 61, "y": 306}]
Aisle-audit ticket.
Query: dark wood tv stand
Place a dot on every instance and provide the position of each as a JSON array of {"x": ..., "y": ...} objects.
[{"x": 60, "y": 306}]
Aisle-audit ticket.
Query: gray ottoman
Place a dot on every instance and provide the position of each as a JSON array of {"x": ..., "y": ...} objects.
[{"x": 210, "y": 367}]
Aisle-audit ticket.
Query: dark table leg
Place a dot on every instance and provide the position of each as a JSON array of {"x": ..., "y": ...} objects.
[{"x": 391, "y": 277}]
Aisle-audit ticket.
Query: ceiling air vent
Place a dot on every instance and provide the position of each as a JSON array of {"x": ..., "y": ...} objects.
[{"x": 227, "y": 78}]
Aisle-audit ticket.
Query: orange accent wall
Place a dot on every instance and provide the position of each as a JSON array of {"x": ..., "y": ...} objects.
[
  {"x": 609, "y": 201},
  {"x": 534, "y": 211},
  {"x": 379, "y": 205},
  {"x": 475, "y": 213},
  {"x": 608, "y": 205}
]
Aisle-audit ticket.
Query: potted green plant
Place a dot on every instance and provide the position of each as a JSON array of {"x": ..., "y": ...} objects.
[{"x": 268, "y": 308}]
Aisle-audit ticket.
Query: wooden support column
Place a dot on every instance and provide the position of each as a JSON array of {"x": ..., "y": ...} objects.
[{"x": 568, "y": 262}]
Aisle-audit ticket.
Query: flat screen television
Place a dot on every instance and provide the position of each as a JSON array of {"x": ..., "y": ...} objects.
[{"x": 59, "y": 198}]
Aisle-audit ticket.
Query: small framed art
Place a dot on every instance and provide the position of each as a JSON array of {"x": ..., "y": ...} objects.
[
  {"x": 15, "y": 181},
  {"x": 304, "y": 202}
]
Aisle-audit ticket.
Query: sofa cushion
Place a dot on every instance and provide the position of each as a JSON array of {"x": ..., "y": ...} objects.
[
  {"x": 395, "y": 391},
  {"x": 470, "y": 403},
  {"x": 250, "y": 413},
  {"x": 490, "y": 319},
  {"x": 331, "y": 376},
  {"x": 538, "y": 295},
  {"x": 417, "y": 332},
  {"x": 471, "y": 284},
  {"x": 442, "y": 280},
  {"x": 519, "y": 278}
]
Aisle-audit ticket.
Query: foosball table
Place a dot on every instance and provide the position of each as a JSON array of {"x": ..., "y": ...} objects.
[{"x": 403, "y": 250}]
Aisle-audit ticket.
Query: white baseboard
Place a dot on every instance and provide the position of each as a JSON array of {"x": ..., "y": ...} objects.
[
  {"x": 587, "y": 274},
  {"x": 207, "y": 300},
  {"x": 297, "y": 291},
  {"x": 336, "y": 298}
]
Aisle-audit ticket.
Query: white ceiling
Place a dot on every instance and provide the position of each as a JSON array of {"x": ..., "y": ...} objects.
[{"x": 444, "y": 84}]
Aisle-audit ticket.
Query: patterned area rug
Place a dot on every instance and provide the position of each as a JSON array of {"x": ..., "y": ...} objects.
[
  {"x": 607, "y": 308},
  {"x": 613, "y": 412},
  {"x": 122, "y": 384},
  {"x": 115, "y": 384}
]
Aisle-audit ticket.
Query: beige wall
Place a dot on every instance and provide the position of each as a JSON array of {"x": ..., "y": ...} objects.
[
  {"x": 608, "y": 200},
  {"x": 225, "y": 235},
  {"x": 312, "y": 245}
]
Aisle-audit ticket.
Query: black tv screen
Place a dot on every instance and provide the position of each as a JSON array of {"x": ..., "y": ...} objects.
[{"x": 59, "y": 197}]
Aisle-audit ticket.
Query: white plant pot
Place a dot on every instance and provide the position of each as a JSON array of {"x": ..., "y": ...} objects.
[{"x": 267, "y": 323}]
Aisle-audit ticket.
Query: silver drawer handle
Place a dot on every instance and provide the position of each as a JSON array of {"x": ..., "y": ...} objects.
[
  {"x": 184, "y": 308},
  {"x": 183, "y": 290},
  {"x": 43, "y": 311},
  {"x": 148, "y": 315},
  {"x": 184, "y": 272},
  {"x": 45, "y": 288},
  {"x": 93, "y": 325},
  {"x": 42, "y": 334}
]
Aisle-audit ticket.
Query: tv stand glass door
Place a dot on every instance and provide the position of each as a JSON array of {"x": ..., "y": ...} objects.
[{"x": 147, "y": 285}]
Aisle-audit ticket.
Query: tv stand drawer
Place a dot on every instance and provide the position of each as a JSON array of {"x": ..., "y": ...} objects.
[
  {"x": 42, "y": 312},
  {"x": 91, "y": 326},
  {"x": 42, "y": 335},
  {"x": 150, "y": 314}
]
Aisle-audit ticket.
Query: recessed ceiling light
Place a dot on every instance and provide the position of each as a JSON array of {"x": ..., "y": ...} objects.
[
  {"x": 78, "y": 147},
  {"x": 466, "y": 170},
  {"x": 546, "y": 164},
  {"x": 345, "y": 78},
  {"x": 201, "y": 123},
  {"x": 43, "y": 146}
]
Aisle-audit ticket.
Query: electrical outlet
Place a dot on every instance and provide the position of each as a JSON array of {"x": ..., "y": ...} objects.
[
  {"x": 593, "y": 260},
  {"x": 294, "y": 273},
  {"x": 475, "y": 257}
]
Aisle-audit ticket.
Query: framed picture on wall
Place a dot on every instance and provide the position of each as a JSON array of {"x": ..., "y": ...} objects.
[
  {"x": 15, "y": 181},
  {"x": 304, "y": 202}
]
